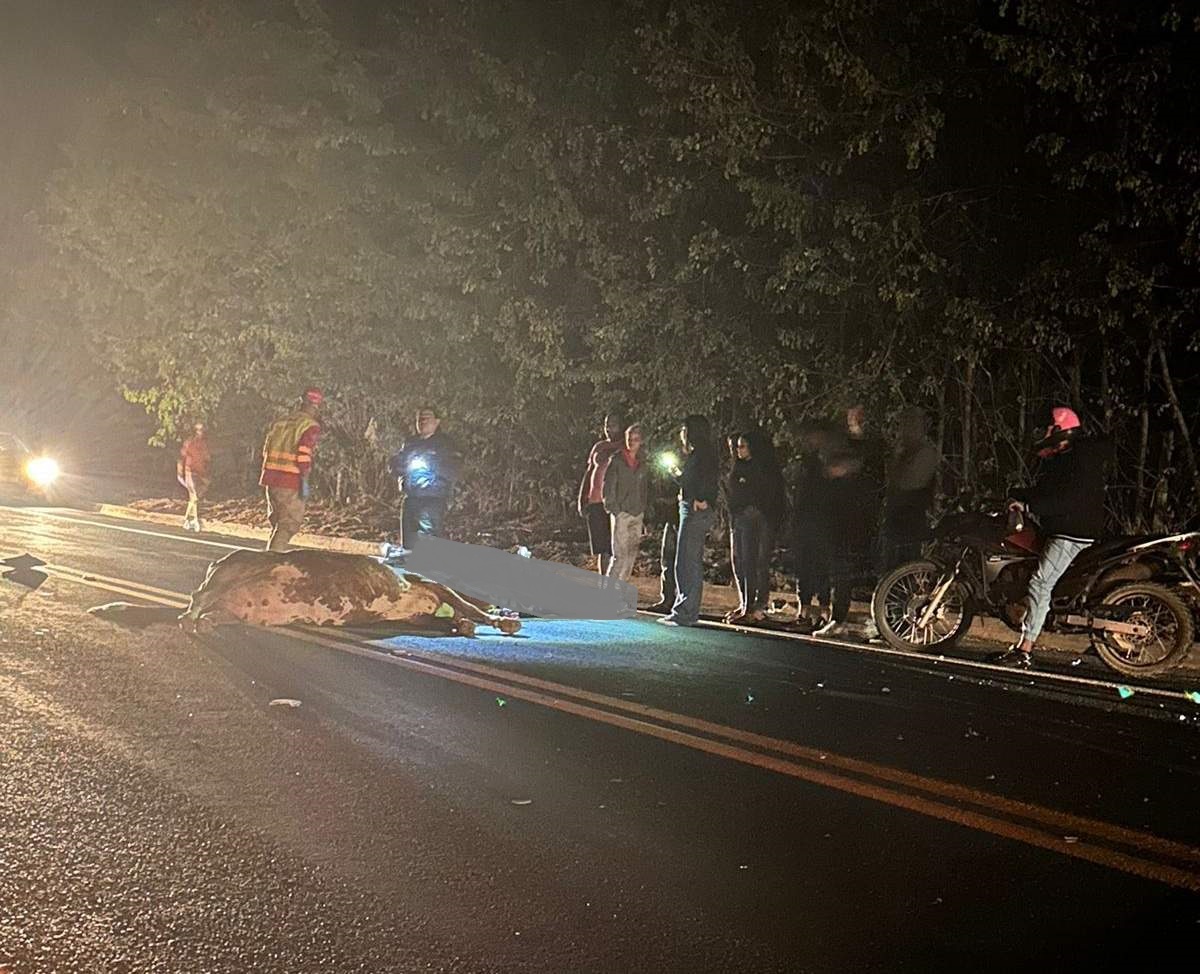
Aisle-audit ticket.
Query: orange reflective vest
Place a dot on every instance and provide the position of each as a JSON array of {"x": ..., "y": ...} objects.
[{"x": 283, "y": 453}]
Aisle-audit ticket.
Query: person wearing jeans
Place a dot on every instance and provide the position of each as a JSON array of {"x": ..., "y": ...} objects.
[
  {"x": 625, "y": 494},
  {"x": 666, "y": 574},
  {"x": 1067, "y": 497},
  {"x": 755, "y": 496},
  {"x": 1056, "y": 558},
  {"x": 697, "y": 481}
]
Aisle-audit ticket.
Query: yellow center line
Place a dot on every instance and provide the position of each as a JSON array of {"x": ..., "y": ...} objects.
[{"x": 686, "y": 731}]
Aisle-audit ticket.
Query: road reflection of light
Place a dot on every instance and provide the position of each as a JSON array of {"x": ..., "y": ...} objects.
[{"x": 590, "y": 644}]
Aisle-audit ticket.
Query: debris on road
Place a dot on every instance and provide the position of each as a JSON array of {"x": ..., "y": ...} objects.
[
  {"x": 522, "y": 801},
  {"x": 284, "y": 702},
  {"x": 1125, "y": 692}
]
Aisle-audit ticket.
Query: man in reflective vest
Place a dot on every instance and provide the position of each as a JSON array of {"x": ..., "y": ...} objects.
[{"x": 287, "y": 462}]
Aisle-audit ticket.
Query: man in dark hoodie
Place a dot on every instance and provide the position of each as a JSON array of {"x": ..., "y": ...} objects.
[
  {"x": 1067, "y": 498},
  {"x": 851, "y": 506}
]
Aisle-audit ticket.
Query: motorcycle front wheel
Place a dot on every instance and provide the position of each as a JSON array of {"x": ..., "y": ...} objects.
[
  {"x": 1170, "y": 630},
  {"x": 900, "y": 601}
]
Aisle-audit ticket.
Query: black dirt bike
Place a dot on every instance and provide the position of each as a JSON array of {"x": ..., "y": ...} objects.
[{"x": 1131, "y": 595}]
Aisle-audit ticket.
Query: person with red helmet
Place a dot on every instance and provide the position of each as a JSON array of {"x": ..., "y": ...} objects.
[
  {"x": 287, "y": 463},
  {"x": 1067, "y": 498}
]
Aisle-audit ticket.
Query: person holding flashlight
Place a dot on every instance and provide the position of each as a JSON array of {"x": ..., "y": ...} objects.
[
  {"x": 426, "y": 468},
  {"x": 697, "y": 479}
]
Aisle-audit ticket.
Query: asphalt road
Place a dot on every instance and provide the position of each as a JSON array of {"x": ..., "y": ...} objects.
[{"x": 607, "y": 797}]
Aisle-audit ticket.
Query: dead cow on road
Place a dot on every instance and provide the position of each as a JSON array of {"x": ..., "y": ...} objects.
[{"x": 321, "y": 588}]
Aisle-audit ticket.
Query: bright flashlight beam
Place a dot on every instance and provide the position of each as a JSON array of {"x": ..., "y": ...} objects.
[
  {"x": 669, "y": 461},
  {"x": 43, "y": 471}
]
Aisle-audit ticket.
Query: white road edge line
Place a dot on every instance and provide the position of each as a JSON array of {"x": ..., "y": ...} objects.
[
  {"x": 1030, "y": 677},
  {"x": 120, "y": 527}
]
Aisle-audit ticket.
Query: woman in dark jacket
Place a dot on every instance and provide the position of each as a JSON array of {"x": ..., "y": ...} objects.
[
  {"x": 756, "y": 498},
  {"x": 697, "y": 480}
]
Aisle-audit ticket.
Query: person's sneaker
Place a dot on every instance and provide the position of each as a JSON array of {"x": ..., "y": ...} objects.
[
  {"x": 661, "y": 606},
  {"x": 1014, "y": 656},
  {"x": 392, "y": 554},
  {"x": 832, "y": 629},
  {"x": 666, "y": 621},
  {"x": 803, "y": 625}
]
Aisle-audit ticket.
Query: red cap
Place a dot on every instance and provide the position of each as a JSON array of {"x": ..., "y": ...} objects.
[
  {"x": 314, "y": 395},
  {"x": 1065, "y": 419}
]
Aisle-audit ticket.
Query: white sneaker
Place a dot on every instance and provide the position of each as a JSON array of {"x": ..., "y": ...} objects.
[
  {"x": 832, "y": 629},
  {"x": 392, "y": 554}
]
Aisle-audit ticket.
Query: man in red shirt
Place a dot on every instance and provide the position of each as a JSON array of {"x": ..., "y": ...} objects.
[
  {"x": 591, "y": 491},
  {"x": 287, "y": 463},
  {"x": 193, "y": 470}
]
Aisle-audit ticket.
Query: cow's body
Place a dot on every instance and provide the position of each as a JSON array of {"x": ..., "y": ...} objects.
[{"x": 322, "y": 588}]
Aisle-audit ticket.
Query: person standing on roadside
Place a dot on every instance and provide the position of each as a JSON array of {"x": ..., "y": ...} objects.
[
  {"x": 850, "y": 497},
  {"x": 287, "y": 464},
  {"x": 907, "y": 499},
  {"x": 666, "y": 552},
  {"x": 754, "y": 496},
  {"x": 591, "y": 491},
  {"x": 626, "y": 490},
  {"x": 193, "y": 470},
  {"x": 909, "y": 495},
  {"x": 426, "y": 468},
  {"x": 698, "y": 487},
  {"x": 811, "y": 535}
]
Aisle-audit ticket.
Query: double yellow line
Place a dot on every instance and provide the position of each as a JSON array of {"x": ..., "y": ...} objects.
[{"x": 1102, "y": 843}]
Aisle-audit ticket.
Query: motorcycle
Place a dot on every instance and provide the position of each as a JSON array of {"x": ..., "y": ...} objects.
[{"x": 1132, "y": 596}]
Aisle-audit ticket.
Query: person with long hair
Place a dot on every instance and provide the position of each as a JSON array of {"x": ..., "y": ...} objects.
[
  {"x": 755, "y": 495},
  {"x": 697, "y": 480}
]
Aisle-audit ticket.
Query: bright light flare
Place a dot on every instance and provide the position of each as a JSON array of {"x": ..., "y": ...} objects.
[
  {"x": 418, "y": 465},
  {"x": 43, "y": 471},
  {"x": 668, "y": 461}
]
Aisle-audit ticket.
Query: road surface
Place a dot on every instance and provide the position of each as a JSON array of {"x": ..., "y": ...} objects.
[{"x": 608, "y": 797}]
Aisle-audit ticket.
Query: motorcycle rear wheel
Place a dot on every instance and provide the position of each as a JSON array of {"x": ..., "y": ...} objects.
[
  {"x": 1171, "y": 635},
  {"x": 902, "y": 595}
]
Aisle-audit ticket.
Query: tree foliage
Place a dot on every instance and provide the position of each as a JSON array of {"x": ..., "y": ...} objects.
[{"x": 529, "y": 213}]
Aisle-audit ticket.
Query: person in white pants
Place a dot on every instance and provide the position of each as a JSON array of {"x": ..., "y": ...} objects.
[{"x": 625, "y": 496}]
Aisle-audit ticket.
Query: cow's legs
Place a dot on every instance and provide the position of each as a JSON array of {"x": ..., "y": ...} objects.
[{"x": 473, "y": 611}]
